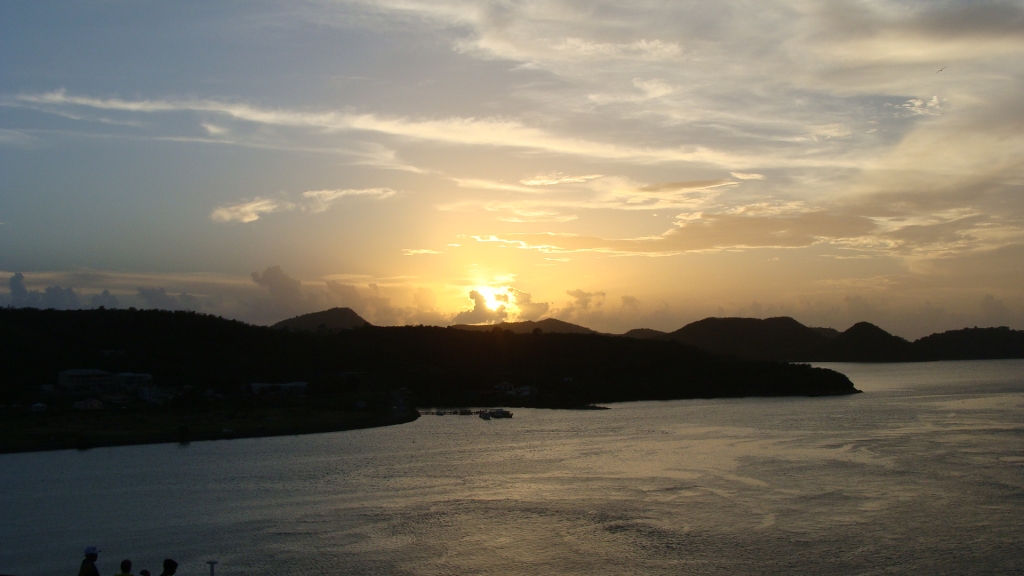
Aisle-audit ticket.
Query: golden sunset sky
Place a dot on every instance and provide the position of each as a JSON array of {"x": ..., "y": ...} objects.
[{"x": 612, "y": 164}]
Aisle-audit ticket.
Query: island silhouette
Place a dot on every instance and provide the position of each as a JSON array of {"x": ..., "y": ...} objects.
[
  {"x": 82, "y": 378},
  {"x": 783, "y": 339}
]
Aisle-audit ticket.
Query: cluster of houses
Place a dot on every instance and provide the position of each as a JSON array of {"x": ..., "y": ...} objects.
[
  {"x": 103, "y": 388},
  {"x": 508, "y": 389}
]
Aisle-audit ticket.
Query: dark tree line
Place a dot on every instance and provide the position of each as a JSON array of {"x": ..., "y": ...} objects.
[{"x": 437, "y": 365}]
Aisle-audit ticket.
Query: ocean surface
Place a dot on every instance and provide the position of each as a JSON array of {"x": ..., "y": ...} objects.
[{"x": 921, "y": 474}]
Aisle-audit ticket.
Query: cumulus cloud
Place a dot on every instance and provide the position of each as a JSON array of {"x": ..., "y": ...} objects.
[
  {"x": 104, "y": 299},
  {"x": 528, "y": 309},
  {"x": 584, "y": 299},
  {"x": 54, "y": 297},
  {"x": 480, "y": 313},
  {"x": 158, "y": 298},
  {"x": 376, "y": 306},
  {"x": 285, "y": 292}
]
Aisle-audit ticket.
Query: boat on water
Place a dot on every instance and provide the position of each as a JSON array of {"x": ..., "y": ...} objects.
[
  {"x": 485, "y": 415},
  {"x": 500, "y": 413}
]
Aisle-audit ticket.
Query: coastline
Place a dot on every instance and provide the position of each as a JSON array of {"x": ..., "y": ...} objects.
[{"x": 75, "y": 440}]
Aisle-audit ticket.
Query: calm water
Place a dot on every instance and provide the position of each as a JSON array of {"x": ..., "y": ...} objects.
[{"x": 922, "y": 474}]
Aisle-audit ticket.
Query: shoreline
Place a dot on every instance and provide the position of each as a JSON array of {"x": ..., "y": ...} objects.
[{"x": 115, "y": 441}]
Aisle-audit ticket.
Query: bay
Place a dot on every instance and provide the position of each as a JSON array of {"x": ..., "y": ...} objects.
[{"x": 923, "y": 473}]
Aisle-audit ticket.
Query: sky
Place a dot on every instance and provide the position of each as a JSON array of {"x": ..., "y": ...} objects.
[{"x": 613, "y": 164}]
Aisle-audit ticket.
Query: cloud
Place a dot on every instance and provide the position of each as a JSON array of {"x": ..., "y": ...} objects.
[
  {"x": 158, "y": 298},
  {"x": 18, "y": 139},
  {"x": 559, "y": 178},
  {"x": 419, "y": 252},
  {"x": 314, "y": 201},
  {"x": 693, "y": 185},
  {"x": 994, "y": 311},
  {"x": 54, "y": 297},
  {"x": 285, "y": 291},
  {"x": 584, "y": 299},
  {"x": 528, "y": 309},
  {"x": 248, "y": 210},
  {"x": 320, "y": 200},
  {"x": 747, "y": 176},
  {"x": 708, "y": 232},
  {"x": 497, "y": 132},
  {"x": 373, "y": 304},
  {"x": 104, "y": 299},
  {"x": 480, "y": 313}
]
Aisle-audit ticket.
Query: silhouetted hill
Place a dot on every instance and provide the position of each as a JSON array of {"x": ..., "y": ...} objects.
[
  {"x": 333, "y": 319},
  {"x": 439, "y": 366},
  {"x": 780, "y": 339},
  {"x": 548, "y": 326},
  {"x": 972, "y": 344},
  {"x": 644, "y": 333},
  {"x": 865, "y": 342},
  {"x": 786, "y": 340},
  {"x": 827, "y": 332}
]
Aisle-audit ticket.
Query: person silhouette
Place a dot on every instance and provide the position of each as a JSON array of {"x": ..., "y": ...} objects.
[
  {"x": 89, "y": 563},
  {"x": 126, "y": 568},
  {"x": 170, "y": 567}
]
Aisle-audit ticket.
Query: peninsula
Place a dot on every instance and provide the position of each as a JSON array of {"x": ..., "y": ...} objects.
[{"x": 214, "y": 378}]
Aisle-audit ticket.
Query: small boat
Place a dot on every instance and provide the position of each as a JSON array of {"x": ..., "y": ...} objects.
[
  {"x": 500, "y": 413},
  {"x": 485, "y": 415}
]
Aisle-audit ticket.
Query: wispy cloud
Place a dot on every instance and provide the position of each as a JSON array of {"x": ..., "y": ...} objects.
[
  {"x": 320, "y": 200},
  {"x": 249, "y": 210},
  {"x": 314, "y": 201},
  {"x": 747, "y": 176},
  {"x": 498, "y": 132},
  {"x": 553, "y": 179}
]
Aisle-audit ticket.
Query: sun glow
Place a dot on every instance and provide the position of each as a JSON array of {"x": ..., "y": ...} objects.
[{"x": 496, "y": 297}]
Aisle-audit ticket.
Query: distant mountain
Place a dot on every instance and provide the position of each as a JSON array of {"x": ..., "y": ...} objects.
[
  {"x": 547, "y": 326},
  {"x": 972, "y": 344},
  {"x": 786, "y": 340},
  {"x": 827, "y": 332},
  {"x": 328, "y": 320},
  {"x": 865, "y": 342},
  {"x": 781, "y": 339},
  {"x": 644, "y": 333}
]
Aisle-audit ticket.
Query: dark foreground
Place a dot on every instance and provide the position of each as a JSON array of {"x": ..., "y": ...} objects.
[
  {"x": 202, "y": 370},
  {"x": 73, "y": 429}
]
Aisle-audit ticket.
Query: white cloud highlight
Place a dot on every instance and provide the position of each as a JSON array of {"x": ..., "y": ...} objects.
[
  {"x": 248, "y": 210},
  {"x": 320, "y": 200}
]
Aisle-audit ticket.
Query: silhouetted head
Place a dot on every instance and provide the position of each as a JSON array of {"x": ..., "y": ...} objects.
[
  {"x": 170, "y": 567},
  {"x": 126, "y": 566},
  {"x": 144, "y": 573},
  {"x": 92, "y": 553}
]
